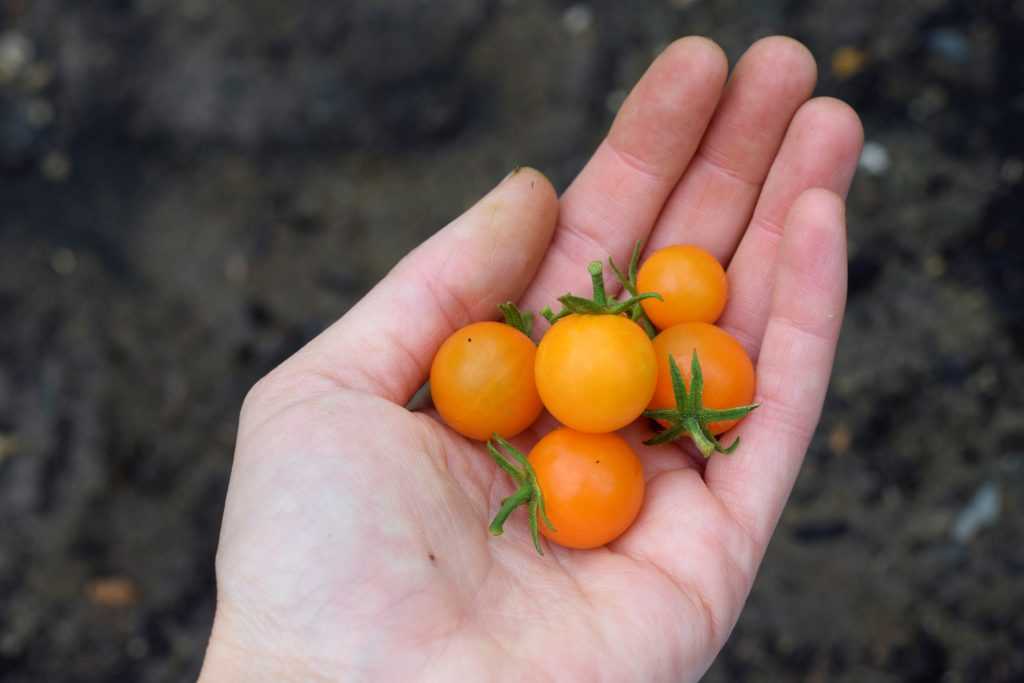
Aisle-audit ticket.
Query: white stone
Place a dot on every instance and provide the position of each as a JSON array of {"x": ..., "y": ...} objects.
[{"x": 874, "y": 159}]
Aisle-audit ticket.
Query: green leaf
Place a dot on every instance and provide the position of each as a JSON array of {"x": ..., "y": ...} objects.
[
  {"x": 668, "y": 435},
  {"x": 504, "y": 464},
  {"x": 626, "y": 284},
  {"x": 634, "y": 262},
  {"x": 577, "y": 304},
  {"x": 663, "y": 414},
  {"x": 678, "y": 385},
  {"x": 534, "y": 530},
  {"x": 712, "y": 415},
  {"x": 696, "y": 385},
  {"x": 521, "y": 320}
]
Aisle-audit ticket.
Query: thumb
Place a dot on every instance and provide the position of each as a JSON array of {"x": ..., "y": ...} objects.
[{"x": 385, "y": 343}]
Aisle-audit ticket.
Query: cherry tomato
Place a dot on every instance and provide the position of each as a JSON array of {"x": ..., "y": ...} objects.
[
  {"x": 593, "y": 486},
  {"x": 596, "y": 373},
  {"x": 482, "y": 381},
  {"x": 727, "y": 370},
  {"x": 691, "y": 282}
]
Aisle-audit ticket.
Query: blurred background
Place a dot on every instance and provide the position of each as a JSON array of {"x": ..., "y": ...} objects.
[{"x": 190, "y": 189}]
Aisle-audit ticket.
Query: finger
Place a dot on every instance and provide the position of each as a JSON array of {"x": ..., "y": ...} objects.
[
  {"x": 793, "y": 371},
  {"x": 713, "y": 202},
  {"x": 820, "y": 150},
  {"x": 618, "y": 195},
  {"x": 385, "y": 344}
]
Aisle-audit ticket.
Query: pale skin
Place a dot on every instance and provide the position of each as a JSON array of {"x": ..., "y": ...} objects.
[{"x": 354, "y": 544}]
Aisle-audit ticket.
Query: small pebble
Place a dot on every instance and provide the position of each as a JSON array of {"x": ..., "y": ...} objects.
[
  {"x": 64, "y": 261},
  {"x": 982, "y": 511},
  {"x": 950, "y": 45},
  {"x": 840, "y": 439},
  {"x": 578, "y": 19},
  {"x": 874, "y": 158},
  {"x": 56, "y": 167},
  {"x": 848, "y": 62},
  {"x": 934, "y": 266},
  {"x": 112, "y": 591},
  {"x": 16, "y": 52}
]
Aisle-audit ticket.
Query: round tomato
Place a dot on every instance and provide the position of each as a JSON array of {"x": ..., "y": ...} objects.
[
  {"x": 593, "y": 486},
  {"x": 482, "y": 381},
  {"x": 727, "y": 370},
  {"x": 691, "y": 282},
  {"x": 596, "y": 373}
]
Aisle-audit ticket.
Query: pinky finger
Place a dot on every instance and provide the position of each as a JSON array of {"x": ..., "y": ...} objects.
[{"x": 793, "y": 369}]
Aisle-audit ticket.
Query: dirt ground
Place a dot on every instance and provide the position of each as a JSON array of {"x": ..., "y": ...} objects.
[{"x": 190, "y": 189}]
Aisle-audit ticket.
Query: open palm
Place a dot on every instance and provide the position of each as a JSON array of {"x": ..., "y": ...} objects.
[{"x": 355, "y": 545}]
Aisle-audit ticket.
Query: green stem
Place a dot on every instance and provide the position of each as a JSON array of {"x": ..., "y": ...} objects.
[
  {"x": 704, "y": 442},
  {"x": 597, "y": 278},
  {"x": 601, "y": 304},
  {"x": 522, "y": 495},
  {"x": 528, "y": 493}
]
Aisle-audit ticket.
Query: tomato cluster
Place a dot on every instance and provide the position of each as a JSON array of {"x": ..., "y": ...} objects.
[{"x": 600, "y": 366}]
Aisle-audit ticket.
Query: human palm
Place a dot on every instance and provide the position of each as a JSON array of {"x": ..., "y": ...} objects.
[{"x": 355, "y": 544}]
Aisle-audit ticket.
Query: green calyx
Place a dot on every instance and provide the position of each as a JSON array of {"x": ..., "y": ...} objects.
[
  {"x": 528, "y": 492},
  {"x": 628, "y": 281},
  {"x": 600, "y": 304},
  {"x": 690, "y": 417},
  {"x": 521, "y": 320}
]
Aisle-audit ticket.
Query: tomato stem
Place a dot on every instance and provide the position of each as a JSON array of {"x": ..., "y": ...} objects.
[
  {"x": 599, "y": 304},
  {"x": 597, "y": 279},
  {"x": 527, "y": 493},
  {"x": 690, "y": 417},
  {"x": 522, "y": 495},
  {"x": 629, "y": 283}
]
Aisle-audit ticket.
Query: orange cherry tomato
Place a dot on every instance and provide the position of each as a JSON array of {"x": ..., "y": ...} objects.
[
  {"x": 482, "y": 381},
  {"x": 691, "y": 282},
  {"x": 593, "y": 486},
  {"x": 596, "y": 373},
  {"x": 727, "y": 370}
]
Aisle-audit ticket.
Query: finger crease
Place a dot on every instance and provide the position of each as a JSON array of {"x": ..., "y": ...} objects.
[
  {"x": 644, "y": 168},
  {"x": 718, "y": 162}
]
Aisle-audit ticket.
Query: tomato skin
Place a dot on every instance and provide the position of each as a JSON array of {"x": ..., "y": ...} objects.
[
  {"x": 691, "y": 282},
  {"x": 727, "y": 369},
  {"x": 596, "y": 373},
  {"x": 482, "y": 381},
  {"x": 593, "y": 486}
]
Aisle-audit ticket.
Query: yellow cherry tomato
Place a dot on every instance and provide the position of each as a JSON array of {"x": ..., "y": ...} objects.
[
  {"x": 593, "y": 486},
  {"x": 691, "y": 282},
  {"x": 596, "y": 373},
  {"x": 727, "y": 370},
  {"x": 482, "y": 381}
]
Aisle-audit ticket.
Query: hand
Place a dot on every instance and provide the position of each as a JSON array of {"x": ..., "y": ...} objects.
[{"x": 354, "y": 544}]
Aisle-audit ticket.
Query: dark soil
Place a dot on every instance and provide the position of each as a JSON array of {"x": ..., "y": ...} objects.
[{"x": 190, "y": 189}]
